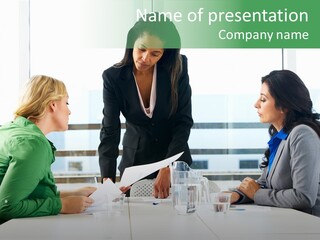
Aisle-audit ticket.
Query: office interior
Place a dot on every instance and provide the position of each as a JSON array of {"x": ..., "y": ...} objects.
[{"x": 50, "y": 37}]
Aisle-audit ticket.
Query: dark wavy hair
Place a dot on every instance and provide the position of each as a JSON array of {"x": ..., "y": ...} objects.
[
  {"x": 290, "y": 94},
  {"x": 158, "y": 25}
]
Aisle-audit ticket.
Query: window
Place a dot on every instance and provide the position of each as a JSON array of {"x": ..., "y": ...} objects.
[
  {"x": 9, "y": 58},
  {"x": 248, "y": 164}
]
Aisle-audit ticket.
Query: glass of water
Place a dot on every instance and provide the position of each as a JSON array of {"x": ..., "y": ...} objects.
[{"x": 220, "y": 201}]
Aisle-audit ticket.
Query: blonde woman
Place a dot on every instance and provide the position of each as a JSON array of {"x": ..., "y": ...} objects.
[{"x": 27, "y": 186}]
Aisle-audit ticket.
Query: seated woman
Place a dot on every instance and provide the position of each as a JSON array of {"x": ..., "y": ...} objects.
[
  {"x": 27, "y": 185},
  {"x": 291, "y": 170}
]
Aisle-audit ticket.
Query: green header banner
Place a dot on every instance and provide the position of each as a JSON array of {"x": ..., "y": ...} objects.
[
  {"x": 247, "y": 23},
  {"x": 236, "y": 23}
]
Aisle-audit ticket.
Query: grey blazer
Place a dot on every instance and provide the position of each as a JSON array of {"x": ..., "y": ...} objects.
[{"x": 294, "y": 178}]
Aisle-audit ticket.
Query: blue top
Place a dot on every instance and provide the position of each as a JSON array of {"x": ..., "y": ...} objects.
[{"x": 274, "y": 144}]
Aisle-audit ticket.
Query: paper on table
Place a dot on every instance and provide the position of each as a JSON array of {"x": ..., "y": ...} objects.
[
  {"x": 105, "y": 192},
  {"x": 135, "y": 173},
  {"x": 149, "y": 199}
]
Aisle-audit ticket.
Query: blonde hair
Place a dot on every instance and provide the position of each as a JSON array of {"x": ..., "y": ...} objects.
[{"x": 40, "y": 91}]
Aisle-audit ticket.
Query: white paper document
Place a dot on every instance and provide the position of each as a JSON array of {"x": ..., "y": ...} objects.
[
  {"x": 105, "y": 192},
  {"x": 135, "y": 173}
]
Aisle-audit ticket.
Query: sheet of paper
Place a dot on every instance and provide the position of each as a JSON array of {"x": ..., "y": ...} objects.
[
  {"x": 135, "y": 173},
  {"x": 105, "y": 192},
  {"x": 149, "y": 199}
]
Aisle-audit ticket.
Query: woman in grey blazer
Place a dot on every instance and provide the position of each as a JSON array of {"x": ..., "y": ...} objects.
[
  {"x": 291, "y": 167},
  {"x": 150, "y": 87}
]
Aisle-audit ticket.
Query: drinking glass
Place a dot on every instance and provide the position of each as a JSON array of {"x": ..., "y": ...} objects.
[{"x": 220, "y": 201}]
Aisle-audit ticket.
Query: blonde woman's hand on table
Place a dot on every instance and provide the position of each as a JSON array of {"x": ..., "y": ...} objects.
[
  {"x": 83, "y": 191},
  {"x": 75, "y": 204}
]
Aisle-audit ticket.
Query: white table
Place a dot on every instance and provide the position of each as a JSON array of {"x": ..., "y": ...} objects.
[
  {"x": 141, "y": 220},
  {"x": 241, "y": 222},
  {"x": 258, "y": 222},
  {"x": 68, "y": 227}
]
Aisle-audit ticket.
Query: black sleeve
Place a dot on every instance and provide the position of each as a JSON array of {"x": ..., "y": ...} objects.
[{"x": 111, "y": 128}]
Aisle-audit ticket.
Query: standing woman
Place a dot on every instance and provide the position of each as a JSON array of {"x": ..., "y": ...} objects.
[
  {"x": 150, "y": 87},
  {"x": 27, "y": 186},
  {"x": 291, "y": 170}
]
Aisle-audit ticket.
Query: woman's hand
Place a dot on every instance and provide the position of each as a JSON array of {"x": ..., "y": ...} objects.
[
  {"x": 123, "y": 189},
  {"x": 84, "y": 191},
  {"x": 75, "y": 204},
  {"x": 234, "y": 197},
  {"x": 161, "y": 187},
  {"x": 249, "y": 187}
]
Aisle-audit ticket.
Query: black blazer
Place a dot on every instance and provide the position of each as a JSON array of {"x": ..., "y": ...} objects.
[{"x": 146, "y": 140}]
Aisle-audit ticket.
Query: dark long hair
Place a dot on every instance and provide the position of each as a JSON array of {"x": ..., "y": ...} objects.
[
  {"x": 290, "y": 94},
  {"x": 158, "y": 25}
]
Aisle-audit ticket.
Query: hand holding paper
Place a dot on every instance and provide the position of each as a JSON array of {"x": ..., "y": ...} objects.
[
  {"x": 135, "y": 173},
  {"x": 105, "y": 192}
]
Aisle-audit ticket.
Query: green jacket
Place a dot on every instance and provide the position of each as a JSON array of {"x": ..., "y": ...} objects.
[{"x": 27, "y": 186}]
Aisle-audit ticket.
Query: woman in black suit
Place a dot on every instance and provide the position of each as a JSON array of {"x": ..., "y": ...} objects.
[{"x": 150, "y": 87}]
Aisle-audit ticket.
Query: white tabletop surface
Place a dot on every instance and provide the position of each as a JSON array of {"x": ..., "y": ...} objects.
[{"x": 139, "y": 219}]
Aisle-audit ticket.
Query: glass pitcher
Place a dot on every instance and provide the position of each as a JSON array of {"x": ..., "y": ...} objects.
[{"x": 189, "y": 188}]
